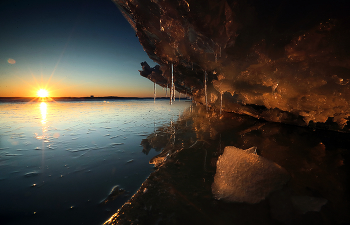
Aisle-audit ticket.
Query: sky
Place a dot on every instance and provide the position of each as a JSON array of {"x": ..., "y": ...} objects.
[{"x": 73, "y": 48}]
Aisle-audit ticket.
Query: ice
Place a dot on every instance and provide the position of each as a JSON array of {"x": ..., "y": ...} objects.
[
  {"x": 8, "y": 154},
  {"x": 220, "y": 103},
  {"x": 172, "y": 84},
  {"x": 244, "y": 176},
  {"x": 114, "y": 193},
  {"x": 32, "y": 174},
  {"x": 113, "y": 144},
  {"x": 296, "y": 67}
]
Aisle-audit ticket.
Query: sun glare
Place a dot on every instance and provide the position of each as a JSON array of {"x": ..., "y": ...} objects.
[{"x": 42, "y": 93}]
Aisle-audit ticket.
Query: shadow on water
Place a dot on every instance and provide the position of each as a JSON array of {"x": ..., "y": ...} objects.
[{"x": 180, "y": 190}]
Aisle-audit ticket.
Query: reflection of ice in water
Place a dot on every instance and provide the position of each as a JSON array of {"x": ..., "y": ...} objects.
[{"x": 220, "y": 103}]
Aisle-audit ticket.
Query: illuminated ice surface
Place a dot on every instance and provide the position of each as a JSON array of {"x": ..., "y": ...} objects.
[
  {"x": 243, "y": 176},
  {"x": 59, "y": 160}
]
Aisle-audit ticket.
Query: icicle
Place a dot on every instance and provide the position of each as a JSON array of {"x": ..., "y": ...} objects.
[
  {"x": 220, "y": 52},
  {"x": 166, "y": 91},
  {"x": 172, "y": 130},
  {"x": 205, "y": 90},
  {"x": 192, "y": 66},
  {"x": 154, "y": 92},
  {"x": 172, "y": 84},
  {"x": 220, "y": 103},
  {"x": 216, "y": 57}
]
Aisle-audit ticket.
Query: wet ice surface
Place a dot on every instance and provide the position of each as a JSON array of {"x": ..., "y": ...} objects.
[
  {"x": 285, "y": 174},
  {"x": 59, "y": 160}
]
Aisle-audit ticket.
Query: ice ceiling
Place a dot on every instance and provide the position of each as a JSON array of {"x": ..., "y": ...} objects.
[{"x": 283, "y": 61}]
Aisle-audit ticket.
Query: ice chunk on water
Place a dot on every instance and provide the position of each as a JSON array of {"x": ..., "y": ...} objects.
[
  {"x": 115, "y": 192},
  {"x": 243, "y": 176}
]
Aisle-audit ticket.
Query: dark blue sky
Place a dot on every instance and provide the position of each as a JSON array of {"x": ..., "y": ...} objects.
[{"x": 85, "y": 46}]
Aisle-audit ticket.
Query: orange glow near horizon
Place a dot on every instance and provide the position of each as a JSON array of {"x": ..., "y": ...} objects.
[{"x": 28, "y": 85}]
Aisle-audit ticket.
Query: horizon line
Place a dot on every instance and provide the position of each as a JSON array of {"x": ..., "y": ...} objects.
[{"x": 88, "y": 97}]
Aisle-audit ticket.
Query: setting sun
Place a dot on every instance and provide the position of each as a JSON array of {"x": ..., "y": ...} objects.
[{"x": 42, "y": 93}]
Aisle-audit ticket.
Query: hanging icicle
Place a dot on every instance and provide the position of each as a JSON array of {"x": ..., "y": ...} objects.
[
  {"x": 172, "y": 84},
  {"x": 220, "y": 52},
  {"x": 216, "y": 57},
  {"x": 174, "y": 94},
  {"x": 205, "y": 89}
]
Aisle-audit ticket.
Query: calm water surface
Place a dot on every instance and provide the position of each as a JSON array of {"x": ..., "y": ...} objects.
[{"x": 60, "y": 160}]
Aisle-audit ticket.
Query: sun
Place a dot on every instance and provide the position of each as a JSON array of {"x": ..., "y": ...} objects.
[{"x": 42, "y": 93}]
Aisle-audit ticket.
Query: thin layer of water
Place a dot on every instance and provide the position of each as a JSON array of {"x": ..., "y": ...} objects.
[{"x": 59, "y": 160}]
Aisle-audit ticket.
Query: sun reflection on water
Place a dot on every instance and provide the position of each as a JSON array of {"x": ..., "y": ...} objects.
[{"x": 43, "y": 110}]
